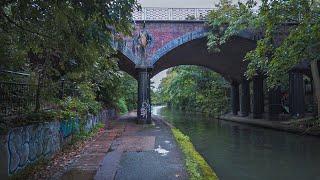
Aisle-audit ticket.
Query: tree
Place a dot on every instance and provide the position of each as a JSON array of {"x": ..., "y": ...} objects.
[
  {"x": 273, "y": 57},
  {"x": 69, "y": 39},
  {"x": 228, "y": 19},
  {"x": 195, "y": 89},
  {"x": 301, "y": 44},
  {"x": 75, "y": 32}
]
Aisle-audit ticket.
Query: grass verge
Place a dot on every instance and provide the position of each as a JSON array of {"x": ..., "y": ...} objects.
[{"x": 197, "y": 167}]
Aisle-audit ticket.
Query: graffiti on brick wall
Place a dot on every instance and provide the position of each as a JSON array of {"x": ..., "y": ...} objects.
[
  {"x": 69, "y": 127},
  {"x": 29, "y": 143},
  {"x": 152, "y": 36}
]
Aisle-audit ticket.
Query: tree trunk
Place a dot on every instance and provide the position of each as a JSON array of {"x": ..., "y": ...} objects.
[{"x": 316, "y": 83}]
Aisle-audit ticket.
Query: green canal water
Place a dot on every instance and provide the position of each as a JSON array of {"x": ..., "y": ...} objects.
[{"x": 243, "y": 152}]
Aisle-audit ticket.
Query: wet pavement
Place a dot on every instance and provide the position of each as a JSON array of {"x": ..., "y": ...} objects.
[
  {"x": 163, "y": 161},
  {"x": 89, "y": 161},
  {"x": 131, "y": 151}
]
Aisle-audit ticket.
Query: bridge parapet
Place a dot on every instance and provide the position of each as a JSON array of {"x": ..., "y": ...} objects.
[{"x": 171, "y": 14}]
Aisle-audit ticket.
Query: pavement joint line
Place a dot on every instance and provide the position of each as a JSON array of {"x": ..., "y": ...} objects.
[
  {"x": 93, "y": 154},
  {"x": 128, "y": 139}
]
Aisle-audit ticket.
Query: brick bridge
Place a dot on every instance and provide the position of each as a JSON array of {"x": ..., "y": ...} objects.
[{"x": 168, "y": 37}]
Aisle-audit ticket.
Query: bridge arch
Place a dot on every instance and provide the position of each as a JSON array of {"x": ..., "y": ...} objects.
[
  {"x": 191, "y": 49},
  {"x": 126, "y": 63}
]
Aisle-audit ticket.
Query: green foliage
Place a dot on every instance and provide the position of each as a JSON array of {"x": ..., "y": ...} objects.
[
  {"x": 156, "y": 97},
  {"x": 52, "y": 40},
  {"x": 122, "y": 106},
  {"x": 82, "y": 135},
  {"x": 88, "y": 97},
  {"x": 197, "y": 167},
  {"x": 291, "y": 30},
  {"x": 302, "y": 43},
  {"x": 195, "y": 89},
  {"x": 81, "y": 105},
  {"x": 119, "y": 86},
  {"x": 63, "y": 36},
  {"x": 272, "y": 57},
  {"x": 128, "y": 91},
  {"x": 227, "y": 20}
]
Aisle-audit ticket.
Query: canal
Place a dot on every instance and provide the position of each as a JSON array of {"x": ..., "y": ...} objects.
[{"x": 243, "y": 152}]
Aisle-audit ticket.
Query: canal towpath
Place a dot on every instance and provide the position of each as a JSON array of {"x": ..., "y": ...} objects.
[{"x": 130, "y": 151}]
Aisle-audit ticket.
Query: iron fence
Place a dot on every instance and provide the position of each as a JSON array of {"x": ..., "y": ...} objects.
[
  {"x": 16, "y": 98},
  {"x": 20, "y": 95}
]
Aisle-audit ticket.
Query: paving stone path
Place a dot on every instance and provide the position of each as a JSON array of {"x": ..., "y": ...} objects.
[
  {"x": 131, "y": 151},
  {"x": 93, "y": 153}
]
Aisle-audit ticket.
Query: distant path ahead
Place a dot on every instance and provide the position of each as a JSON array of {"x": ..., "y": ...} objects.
[{"x": 145, "y": 152}]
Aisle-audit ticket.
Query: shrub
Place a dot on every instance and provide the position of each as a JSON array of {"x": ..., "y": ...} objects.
[{"x": 122, "y": 106}]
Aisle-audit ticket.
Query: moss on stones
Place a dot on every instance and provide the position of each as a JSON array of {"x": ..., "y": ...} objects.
[{"x": 197, "y": 167}]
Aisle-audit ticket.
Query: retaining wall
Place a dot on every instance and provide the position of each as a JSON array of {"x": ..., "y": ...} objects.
[{"x": 22, "y": 146}]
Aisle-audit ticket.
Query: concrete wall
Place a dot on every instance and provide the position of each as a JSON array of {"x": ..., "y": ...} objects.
[{"x": 25, "y": 145}]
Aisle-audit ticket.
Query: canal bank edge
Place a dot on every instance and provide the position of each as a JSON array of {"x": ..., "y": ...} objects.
[
  {"x": 196, "y": 165},
  {"x": 275, "y": 125}
]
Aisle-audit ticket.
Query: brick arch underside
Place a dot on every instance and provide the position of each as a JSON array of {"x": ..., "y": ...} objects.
[
  {"x": 126, "y": 65},
  {"x": 228, "y": 62}
]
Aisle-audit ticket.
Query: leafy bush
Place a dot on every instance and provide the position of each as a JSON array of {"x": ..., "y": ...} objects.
[
  {"x": 81, "y": 105},
  {"x": 122, "y": 106},
  {"x": 66, "y": 40},
  {"x": 195, "y": 89}
]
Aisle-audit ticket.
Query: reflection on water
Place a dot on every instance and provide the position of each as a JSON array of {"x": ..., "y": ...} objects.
[{"x": 238, "y": 151}]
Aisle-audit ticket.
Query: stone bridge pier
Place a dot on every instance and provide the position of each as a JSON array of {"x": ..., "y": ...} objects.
[{"x": 144, "y": 97}]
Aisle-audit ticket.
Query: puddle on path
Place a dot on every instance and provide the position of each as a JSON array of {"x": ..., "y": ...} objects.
[{"x": 161, "y": 151}]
